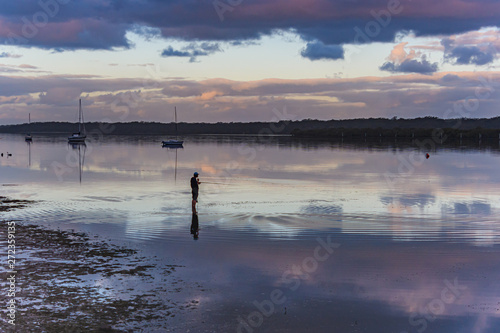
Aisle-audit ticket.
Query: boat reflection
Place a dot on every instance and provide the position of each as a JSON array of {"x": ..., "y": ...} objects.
[
  {"x": 29, "y": 142},
  {"x": 81, "y": 147},
  {"x": 176, "y": 148}
]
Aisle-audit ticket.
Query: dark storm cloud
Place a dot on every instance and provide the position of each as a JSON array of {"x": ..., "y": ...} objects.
[
  {"x": 411, "y": 66},
  {"x": 90, "y": 24},
  {"x": 192, "y": 51},
  {"x": 469, "y": 54},
  {"x": 170, "y": 52},
  {"x": 318, "y": 50}
]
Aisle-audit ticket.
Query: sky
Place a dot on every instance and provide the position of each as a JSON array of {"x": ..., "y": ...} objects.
[{"x": 248, "y": 60}]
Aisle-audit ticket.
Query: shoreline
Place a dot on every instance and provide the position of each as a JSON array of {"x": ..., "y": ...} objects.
[{"x": 67, "y": 282}]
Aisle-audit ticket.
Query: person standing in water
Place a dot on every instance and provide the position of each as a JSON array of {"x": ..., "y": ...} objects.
[{"x": 194, "y": 189}]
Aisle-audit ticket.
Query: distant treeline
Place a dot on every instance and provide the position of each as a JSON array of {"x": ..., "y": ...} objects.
[
  {"x": 371, "y": 127},
  {"x": 400, "y": 133}
]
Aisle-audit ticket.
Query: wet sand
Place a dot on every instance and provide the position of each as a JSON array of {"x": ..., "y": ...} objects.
[{"x": 68, "y": 282}]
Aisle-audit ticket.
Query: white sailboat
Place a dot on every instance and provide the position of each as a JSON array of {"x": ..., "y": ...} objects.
[
  {"x": 28, "y": 136},
  {"x": 80, "y": 136},
  {"x": 173, "y": 143}
]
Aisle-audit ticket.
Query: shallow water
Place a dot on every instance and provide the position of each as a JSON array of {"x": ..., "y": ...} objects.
[{"x": 416, "y": 239}]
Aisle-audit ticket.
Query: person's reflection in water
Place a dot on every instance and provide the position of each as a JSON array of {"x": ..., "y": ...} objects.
[{"x": 195, "y": 229}]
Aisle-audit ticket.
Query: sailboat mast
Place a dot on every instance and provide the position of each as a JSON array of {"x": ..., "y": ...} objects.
[
  {"x": 80, "y": 116},
  {"x": 175, "y": 117},
  {"x": 83, "y": 120},
  {"x": 29, "y": 123}
]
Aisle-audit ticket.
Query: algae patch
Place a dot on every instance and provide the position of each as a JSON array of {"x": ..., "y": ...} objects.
[{"x": 68, "y": 282}]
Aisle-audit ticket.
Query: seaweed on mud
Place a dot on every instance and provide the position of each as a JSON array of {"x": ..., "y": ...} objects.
[
  {"x": 7, "y": 204},
  {"x": 54, "y": 292}
]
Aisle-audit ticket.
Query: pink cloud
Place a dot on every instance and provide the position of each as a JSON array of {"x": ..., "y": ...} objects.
[
  {"x": 410, "y": 95},
  {"x": 399, "y": 54}
]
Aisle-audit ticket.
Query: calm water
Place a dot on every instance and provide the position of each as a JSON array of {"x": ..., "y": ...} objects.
[{"x": 294, "y": 235}]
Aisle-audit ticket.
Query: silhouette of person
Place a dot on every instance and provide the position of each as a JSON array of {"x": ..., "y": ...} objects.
[
  {"x": 194, "y": 190},
  {"x": 195, "y": 229}
]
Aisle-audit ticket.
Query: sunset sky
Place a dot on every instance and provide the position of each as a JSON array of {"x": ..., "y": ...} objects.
[{"x": 238, "y": 60}]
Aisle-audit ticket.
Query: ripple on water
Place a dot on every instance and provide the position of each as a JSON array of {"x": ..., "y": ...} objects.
[{"x": 140, "y": 223}]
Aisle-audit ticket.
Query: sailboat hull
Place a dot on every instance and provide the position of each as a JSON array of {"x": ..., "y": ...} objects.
[
  {"x": 77, "y": 138},
  {"x": 172, "y": 143}
]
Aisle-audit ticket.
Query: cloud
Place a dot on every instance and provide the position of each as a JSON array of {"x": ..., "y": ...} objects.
[
  {"x": 90, "y": 24},
  {"x": 26, "y": 66},
  {"x": 471, "y": 55},
  {"x": 9, "y": 55},
  {"x": 450, "y": 78},
  {"x": 18, "y": 68},
  {"x": 475, "y": 48},
  {"x": 401, "y": 61},
  {"x": 60, "y": 96},
  {"x": 170, "y": 52},
  {"x": 399, "y": 53},
  {"x": 81, "y": 33},
  {"x": 213, "y": 100},
  {"x": 9, "y": 69},
  {"x": 411, "y": 66},
  {"x": 317, "y": 50},
  {"x": 192, "y": 51}
]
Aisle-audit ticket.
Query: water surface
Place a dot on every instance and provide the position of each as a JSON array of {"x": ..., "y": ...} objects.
[{"x": 415, "y": 239}]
